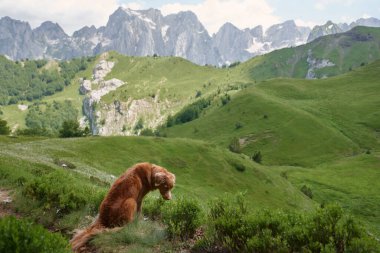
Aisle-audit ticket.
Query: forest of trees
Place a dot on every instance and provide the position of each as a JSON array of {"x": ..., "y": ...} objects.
[
  {"x": 48, "y": 118},
  {"x": 29, "y": 80}
]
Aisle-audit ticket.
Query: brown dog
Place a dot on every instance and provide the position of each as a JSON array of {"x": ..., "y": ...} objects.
[{"x": 125, "y": 197}]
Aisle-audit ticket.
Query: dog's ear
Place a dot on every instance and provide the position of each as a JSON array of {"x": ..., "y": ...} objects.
[{"x": 159, "y": 178}]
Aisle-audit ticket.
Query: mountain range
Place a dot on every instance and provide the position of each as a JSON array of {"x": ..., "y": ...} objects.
[{"x": 148, "y": 32}]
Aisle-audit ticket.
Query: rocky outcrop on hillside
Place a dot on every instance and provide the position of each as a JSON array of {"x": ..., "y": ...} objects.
[
  {"x": 315, "y": 64},
  {"x": 117, "y": 117},
  {"x": 93, "y": 96}
]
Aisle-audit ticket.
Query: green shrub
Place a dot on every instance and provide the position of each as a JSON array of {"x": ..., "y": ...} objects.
[
  {"x": 17, "y": 235},
  {"x": 257, "y": 157},
  {"x": 232, "y": 228},
  {"x": 4, "y": 128},
  {"x": 70, "y": 128},
  {"x": 225, "y": 99},
  {"x": 182, "y": 218},
  {"x": 152, "y": 207},
  {"x": 307, "y": 191},
  {"x": 237, "y": 165},
  {"x": 238, "y": 125},
  {"x": 147, "y": 132},
  {"x": 189, "y": 113},
  {"x": 235, "y": 145},
  {"x": 57, "y": 190}
]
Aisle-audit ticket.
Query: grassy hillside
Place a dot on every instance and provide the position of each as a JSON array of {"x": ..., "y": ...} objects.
[
  {"x": 324, "y": 133},
  {"x": 170, "y": 83},
  {"x": 64, "y": 198},
  {"x": 202, "y": 169},
  {"x": 351, "y": 181},
  {"x": 297, "y": 122},
  {"x": 346, "y": 51}
]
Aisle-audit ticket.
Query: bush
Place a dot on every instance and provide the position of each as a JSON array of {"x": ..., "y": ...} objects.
[
  {"x": 18, "y": 235},
  {"x": 152, "y": 207},
  {"x": 70, "y": 128},
  {"x": 235, "y": 145},
  {"x": 4, "y": 128},
  {"x": 147, "y": 132},
  {"x": 56, "y": 190},
  {"x": 307, "y": 191},
  {"x": 225, "y": 99},
  {"x": 182, "y": 218},
  {"x": 189, "y": 113},
  {"x": 231, "y": 228},
  {"x": 257, "y": 157},
  {"x": 238, "y": 125},
  {"x": 139, "y": 125}
]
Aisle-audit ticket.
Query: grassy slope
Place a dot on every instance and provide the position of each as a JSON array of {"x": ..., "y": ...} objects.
[
  {"x": 346, "y": 50},
  {"x": 351, "y": 181},
  {"x": 325, "y": 126},
  {"x": 176, "y": 81},
  {"x": 171, "y": 80},
  {"x": 306, "y": 122},
  {"x": 202, "y": 169}
]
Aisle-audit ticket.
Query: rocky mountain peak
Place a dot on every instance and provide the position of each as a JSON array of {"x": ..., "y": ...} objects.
[
  {"x": 50, "y": 30},
  {"x": 148, "y": 32},
  {"x": 85, "y": 32},
  {"x": 323, "y": 30}
]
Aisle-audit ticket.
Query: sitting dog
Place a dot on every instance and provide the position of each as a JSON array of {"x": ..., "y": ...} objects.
[{"x": 124, "y": 199}]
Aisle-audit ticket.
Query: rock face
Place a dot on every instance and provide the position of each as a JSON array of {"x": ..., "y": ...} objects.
[
  {"x": 315, "y": 64},
  {"x": 148, "y": 32},
  {"x": 93, "y": 96},
  {"x": 332, "y": 28},
  {"x": 17, "y": 40},
  {"x": 326, "y": 29},
  {"x": 117, "y": 118}
]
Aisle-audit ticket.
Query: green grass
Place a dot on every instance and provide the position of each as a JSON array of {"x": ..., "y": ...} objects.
[
  {"x": 202, "y": 169},
  {"x": 352, "y": 182},
  {"x": 322, "y": 129},
  {"x": 138, "y": 237},
  {"x": 297, "y": 122}
]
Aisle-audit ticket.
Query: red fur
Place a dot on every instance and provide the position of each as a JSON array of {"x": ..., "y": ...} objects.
[{"x": 124, "y": 199}]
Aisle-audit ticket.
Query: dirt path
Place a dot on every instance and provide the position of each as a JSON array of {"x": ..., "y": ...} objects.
[{"x": 5, "y": 203}]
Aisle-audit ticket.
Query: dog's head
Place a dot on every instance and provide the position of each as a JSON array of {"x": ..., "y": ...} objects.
[{"x": 164, "y": 181}]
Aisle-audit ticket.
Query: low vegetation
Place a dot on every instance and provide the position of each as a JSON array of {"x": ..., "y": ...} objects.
[{"x": 19, "y": 235}]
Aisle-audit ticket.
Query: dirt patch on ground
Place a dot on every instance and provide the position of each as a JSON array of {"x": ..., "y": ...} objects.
[{"x": 5, "y": 203}]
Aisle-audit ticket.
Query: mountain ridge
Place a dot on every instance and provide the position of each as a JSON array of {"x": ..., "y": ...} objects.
[{"x": 148, "y": 32}]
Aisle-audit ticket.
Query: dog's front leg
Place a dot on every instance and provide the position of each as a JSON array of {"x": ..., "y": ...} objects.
[{"x": 139, "y": 207}]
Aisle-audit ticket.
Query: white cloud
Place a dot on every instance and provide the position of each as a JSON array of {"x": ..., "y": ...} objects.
[
  {"x": 214, "y": 13},
  {"x": 133, "y": 6},
  {"x": 70, "y": 14},
  {"x": 366, "y": 15},
  {"x": 323, "y": 4},
  {"x": 311, "y": 24}
]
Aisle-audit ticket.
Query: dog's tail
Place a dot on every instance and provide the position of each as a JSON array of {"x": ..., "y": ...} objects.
[{"x": 81, "y": 237}]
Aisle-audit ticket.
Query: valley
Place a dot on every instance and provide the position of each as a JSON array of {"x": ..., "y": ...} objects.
[{"x": 292, "y": 132}]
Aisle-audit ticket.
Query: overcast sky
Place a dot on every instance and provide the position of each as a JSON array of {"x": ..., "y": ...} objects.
[{"x": 74, "y": 14}]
